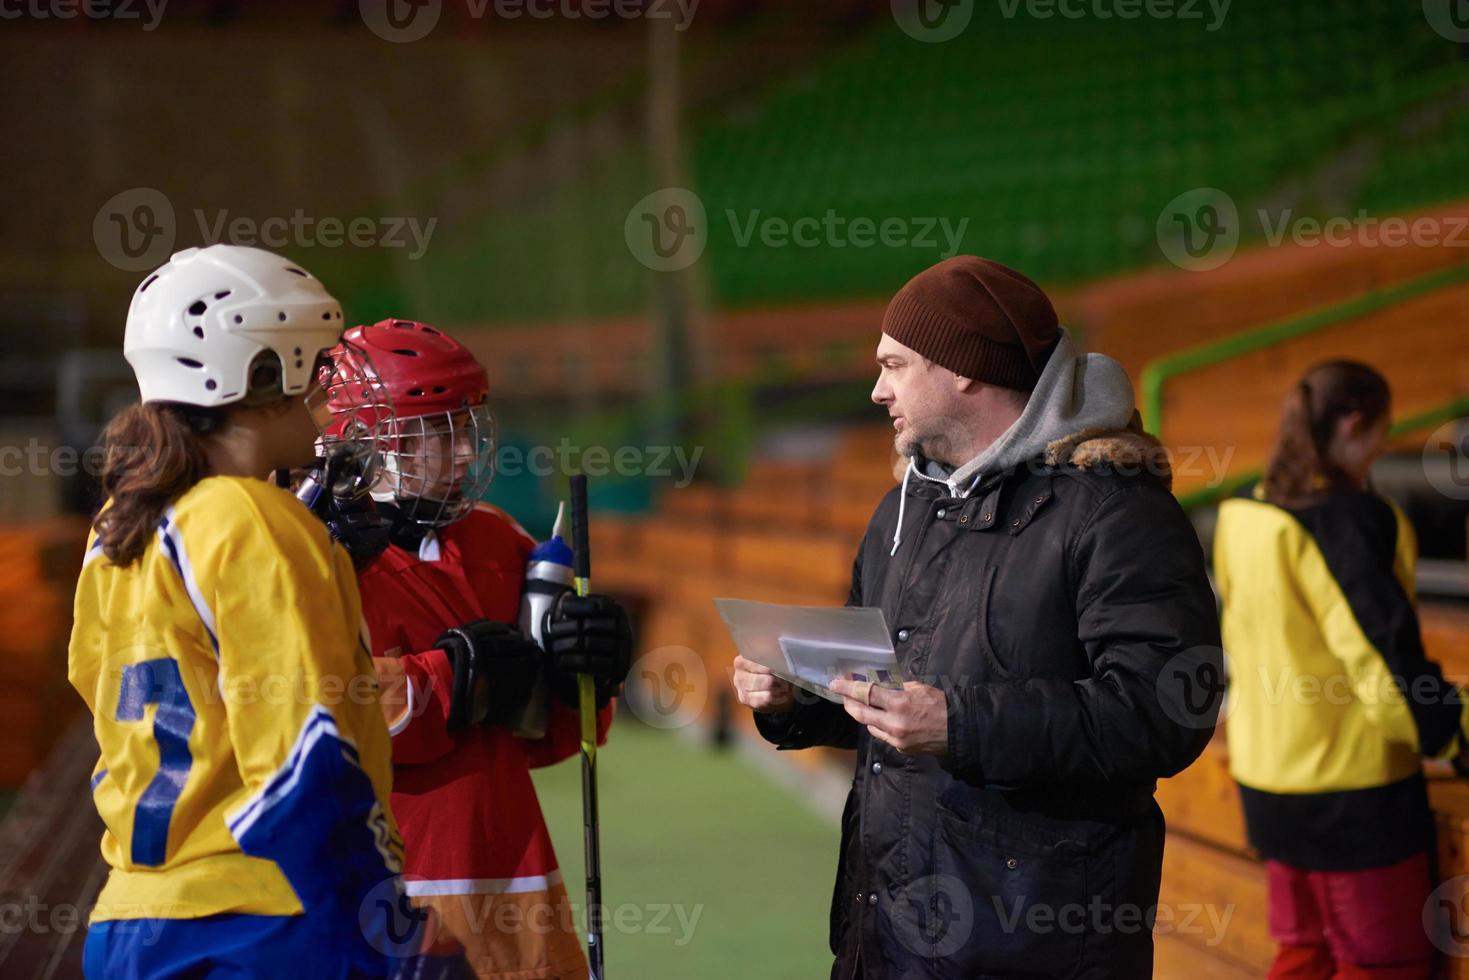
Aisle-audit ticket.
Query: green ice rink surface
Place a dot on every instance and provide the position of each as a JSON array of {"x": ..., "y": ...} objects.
[{"x": 739, "y": 870}]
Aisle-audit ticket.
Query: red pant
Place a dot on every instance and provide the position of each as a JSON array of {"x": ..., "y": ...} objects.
[{"x": 1350, "y": 924}]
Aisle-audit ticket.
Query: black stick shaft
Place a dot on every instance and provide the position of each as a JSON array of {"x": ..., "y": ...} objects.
[
  {"x": 591, "y": 823},
  {"x": 581, "y": 547},
  {"x": 592, "y": 833}
]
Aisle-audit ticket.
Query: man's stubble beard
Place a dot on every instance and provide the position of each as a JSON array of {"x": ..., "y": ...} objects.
[
  {"x": 906, "y": 444},
  {"x": 938, "y": 446}
]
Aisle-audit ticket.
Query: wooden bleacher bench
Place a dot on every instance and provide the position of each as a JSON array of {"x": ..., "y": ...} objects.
[
  {"x": 820, "y": 561},
  {"x": 1405, "y": 342},
  {"x": 1205, "y": 886},
  {"x": 39, "y": 565}
]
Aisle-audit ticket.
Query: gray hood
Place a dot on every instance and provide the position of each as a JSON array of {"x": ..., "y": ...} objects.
[{"x": 1076, "y": 394}]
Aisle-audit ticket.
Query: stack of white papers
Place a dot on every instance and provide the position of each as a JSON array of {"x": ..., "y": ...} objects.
[{"x": 810, "y": 646}]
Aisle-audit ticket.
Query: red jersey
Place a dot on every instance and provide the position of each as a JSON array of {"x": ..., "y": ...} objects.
[{"x": 476, "y": 846}]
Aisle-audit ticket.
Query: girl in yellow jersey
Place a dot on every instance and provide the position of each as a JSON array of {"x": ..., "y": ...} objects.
[
  {"x": 245, "y": 765},
  {"x": 1334, "y": 701}
]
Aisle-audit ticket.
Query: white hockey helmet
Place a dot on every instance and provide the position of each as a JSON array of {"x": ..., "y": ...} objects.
[{"x": 197, "y": 326}]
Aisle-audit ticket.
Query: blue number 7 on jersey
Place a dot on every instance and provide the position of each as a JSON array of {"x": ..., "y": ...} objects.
[{"x": 158, "y": 682}]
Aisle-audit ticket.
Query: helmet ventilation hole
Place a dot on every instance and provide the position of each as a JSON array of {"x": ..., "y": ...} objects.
[
  {"x": 281, "y": 316},
  {"x": 199, "y": 332},
  {"x": 296, "y": 271},
  {"x": 239, "y": 319},
  {"x": 222, "y": 295},
  {"x": 189, "y": 362},
  {"x": 198, "y": 308},
  {"x": 416, "y": 393},
  {"x": 326, "y": 316},
  {"x": 405, "y": 352},
  {"x": 211, "y": 384},
  {"x": 151, "y": 281}
]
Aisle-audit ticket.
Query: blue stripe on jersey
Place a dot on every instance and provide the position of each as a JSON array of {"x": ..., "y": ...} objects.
[
  {"x": 319, "y": 723},
  {"x": 158, "y": 682},
  {"x": 318, "y": 818},
  {"x": 97, "y": 779}
]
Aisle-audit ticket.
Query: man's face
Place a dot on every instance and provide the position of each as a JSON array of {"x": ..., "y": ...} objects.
[{"x": 920, "y": 397}]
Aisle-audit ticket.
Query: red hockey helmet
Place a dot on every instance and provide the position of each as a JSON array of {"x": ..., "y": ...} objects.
[{"x": 439, "y": 446}]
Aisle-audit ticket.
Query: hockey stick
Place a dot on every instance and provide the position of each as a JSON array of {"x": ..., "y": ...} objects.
[{"x": 591, "y": 825}]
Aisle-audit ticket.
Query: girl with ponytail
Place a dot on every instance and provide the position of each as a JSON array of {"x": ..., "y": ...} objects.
[
  {"x": 244, "y": 771},
  {"x": 1332, "y": 701},
  {"x": 1333, "y": 426}
]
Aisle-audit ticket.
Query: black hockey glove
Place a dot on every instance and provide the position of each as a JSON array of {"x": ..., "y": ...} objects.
[
  {"x": 350, "y": 518},
  {"x": 495, "y": 667},
  {"x": 587, "y": 635}
]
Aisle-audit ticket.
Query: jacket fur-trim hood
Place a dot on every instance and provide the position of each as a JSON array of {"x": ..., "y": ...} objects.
[{"x": 1128, "y": 450}]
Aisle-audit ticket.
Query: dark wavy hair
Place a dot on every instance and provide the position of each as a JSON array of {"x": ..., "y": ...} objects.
[
  {"x": 1300, "y": 472},
  {"x": 154, "y": 453}
]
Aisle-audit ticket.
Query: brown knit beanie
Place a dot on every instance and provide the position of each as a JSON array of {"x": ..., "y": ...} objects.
[{"x": 977, "y": 318}]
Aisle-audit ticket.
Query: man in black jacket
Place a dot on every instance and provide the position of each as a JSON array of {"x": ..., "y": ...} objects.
[{"x": 1049, "y": 596}]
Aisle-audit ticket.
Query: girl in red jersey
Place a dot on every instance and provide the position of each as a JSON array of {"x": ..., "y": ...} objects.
[{"x": 440, "y": 599}]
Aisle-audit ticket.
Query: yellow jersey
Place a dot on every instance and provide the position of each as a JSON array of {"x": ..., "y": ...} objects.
[
  {"x": 1333, "y": 702},
  {"x": 245, "y": 763}
]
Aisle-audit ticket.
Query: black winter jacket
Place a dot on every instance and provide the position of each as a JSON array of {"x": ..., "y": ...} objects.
[{"x": 1064, "y": 610}]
